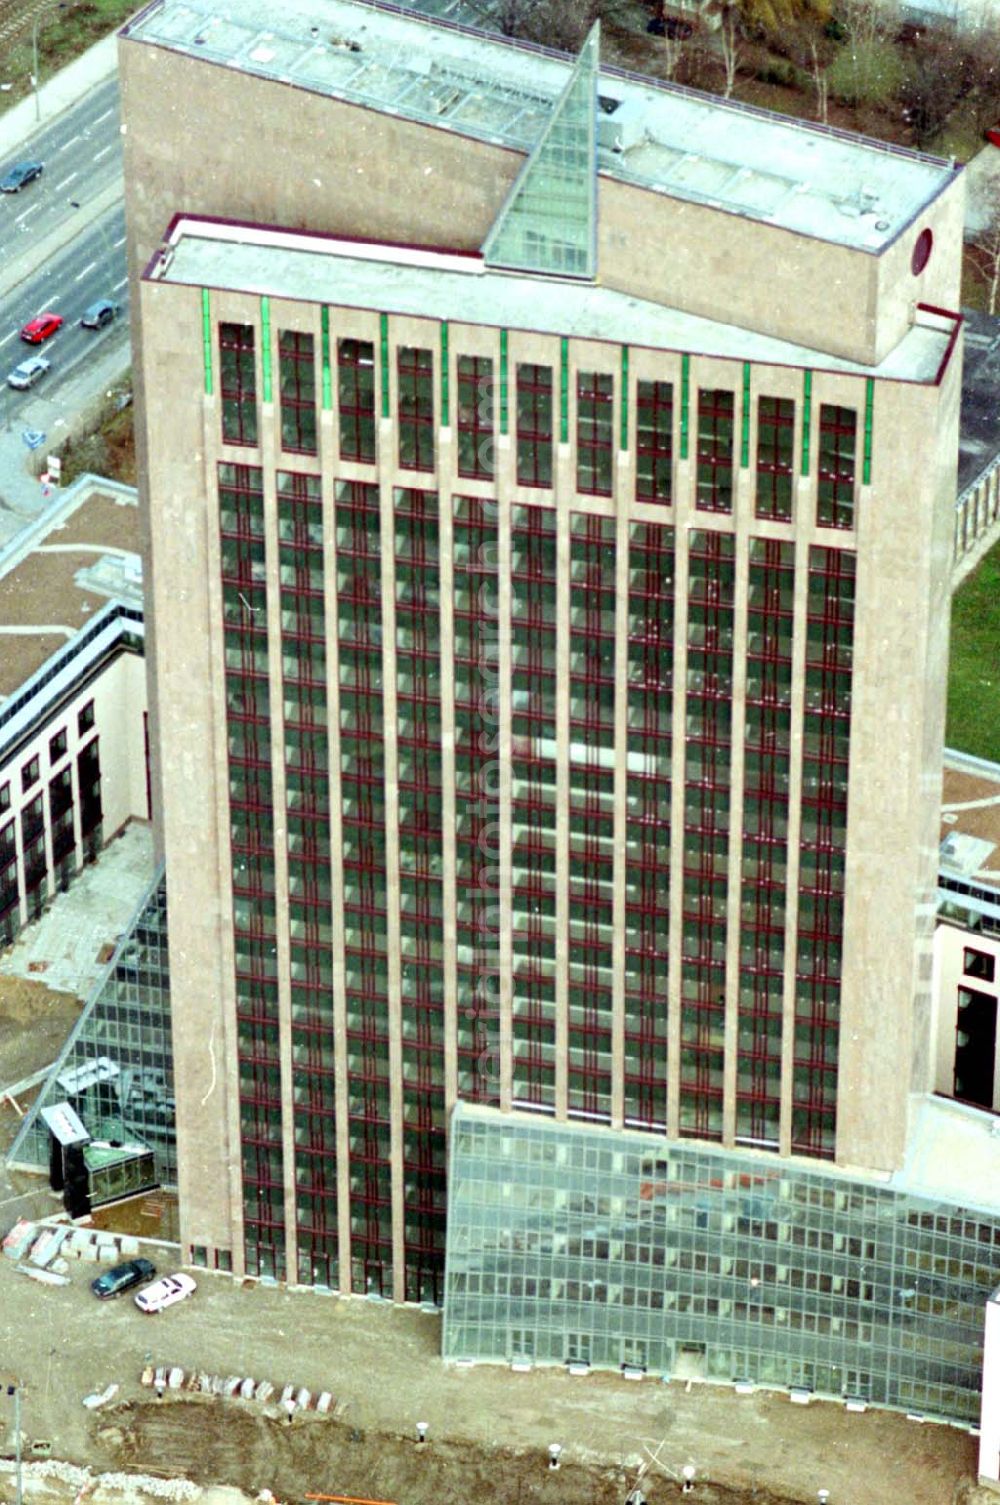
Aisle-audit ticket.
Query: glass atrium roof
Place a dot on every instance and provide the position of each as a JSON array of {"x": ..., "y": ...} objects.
[{"x": 549, "y": 221}]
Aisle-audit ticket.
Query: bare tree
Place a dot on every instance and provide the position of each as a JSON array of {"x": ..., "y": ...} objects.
[
  {"x": 673, "y": 47},
  {"x": 941, "y": 70},
  {"x": 562, "y": 24},
  {"x": 730, "y": 40},
  {"x": 811, "y": 48},
  {"x": 821, "y": 83},
  {"x": 984, "y": 246}
]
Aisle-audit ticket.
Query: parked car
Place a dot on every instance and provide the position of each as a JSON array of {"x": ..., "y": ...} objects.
[
  {"x": 20, "y": 174},
  {"x": 122, "y": 1278},
  {"x": 166, "y": 1292},
  {"x": 99, "y": 314},
  {"x": 993, "y": 135},
  {"x": 28, "y": 372},
  {"x": 42, "y": 328}
]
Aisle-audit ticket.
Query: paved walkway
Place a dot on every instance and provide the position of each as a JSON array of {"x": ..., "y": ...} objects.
[{"x": 22, "y": 498}]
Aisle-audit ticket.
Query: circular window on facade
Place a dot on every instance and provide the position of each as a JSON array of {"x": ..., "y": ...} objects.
[{"x": 921, "y": 252}]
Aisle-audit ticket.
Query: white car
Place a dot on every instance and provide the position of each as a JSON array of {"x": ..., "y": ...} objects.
[
  {"x": 165, "y": 1292},
  {"x": 28, "y": 372}
]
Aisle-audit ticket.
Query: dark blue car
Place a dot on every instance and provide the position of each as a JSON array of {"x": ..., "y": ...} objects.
[
  {"x": 134, "y": 1272},
  {"x": 20, "y": 174}
]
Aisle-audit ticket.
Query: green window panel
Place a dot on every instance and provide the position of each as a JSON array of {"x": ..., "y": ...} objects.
[
  {"x": 745, "y": 439},
  {"x": 866, "y": 468},
  {"x": 564, "y": 391},
  {"x": 383, "y": 324},
  {"x": 623, "y": 410},
  {"x": 325, "y": 348},
  {"x": 444, "y": 376},
  {"x": 685, "y": 402},
  {"x": 265, "y": 346},
  {"x": 503, "y": 381},
  {"x": 206, "y": 337},
  {"x": 807, "y": 386}
]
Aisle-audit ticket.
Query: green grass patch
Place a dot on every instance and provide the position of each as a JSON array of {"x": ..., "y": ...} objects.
[
  {"x": 974, "y": 667},
  {"x": 62, "y": 36}
]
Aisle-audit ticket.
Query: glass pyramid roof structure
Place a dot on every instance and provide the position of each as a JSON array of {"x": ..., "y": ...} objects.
[{"x": 548, "y": 222}]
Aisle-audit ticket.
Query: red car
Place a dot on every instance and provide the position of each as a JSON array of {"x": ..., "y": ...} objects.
[{"x": 38, "y": 330}]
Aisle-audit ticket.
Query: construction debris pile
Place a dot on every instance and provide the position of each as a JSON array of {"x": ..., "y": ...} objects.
[
  {"x": 43, "y": 1250},
  {"x": 290, "y": 1400},
  {"x": 86, "y": 1482}
]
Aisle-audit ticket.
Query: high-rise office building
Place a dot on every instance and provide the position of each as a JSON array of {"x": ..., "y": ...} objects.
[{"x": 549, "y": 483}]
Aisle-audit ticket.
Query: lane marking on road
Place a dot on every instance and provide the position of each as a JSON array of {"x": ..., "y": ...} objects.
[
  {"x": 119, "y": 242},
  {"x": 46, "y": 306},
  {"x": 104, "y": 152},
  {"x": 66, "y": 180},
  {"x": 8, "y": 337},
  {"x": 111, "y": 111},
  {"x": 71, "y": 142},
  {"x": 20, "y": 217},
  {"x": 89, "y": 268},
  {"x": 119, "y": 284}
]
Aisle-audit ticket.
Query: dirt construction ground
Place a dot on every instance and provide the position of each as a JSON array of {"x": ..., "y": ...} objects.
[{"x": 489, "y": 1428}]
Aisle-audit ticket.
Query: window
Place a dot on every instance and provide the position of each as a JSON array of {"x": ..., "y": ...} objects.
[
  {"x": 534, "y": 425},
  {"x": 356, "y": 393},
  {"x": 775, "y": 457},
  {"x": 5, "y": 798},
  {"x": 978, "y": 964},
  {"x": 415, "y": 369},
  {"x": 923, "y": 246},
  {"x": 29, "y": 774},
  {"x": 57, "y": 746},
  {"x": 85, "y": 719},
  {"x": 837, "y": 449},
  {"x": 594, "y": 418},
  {"x": 297, "y": 384},
  {"x": 238, "y": 383},
  {"x": 654, "y": 441},
  {"x": 715, "y": 450},
  {"x": 475, "y": 417}
]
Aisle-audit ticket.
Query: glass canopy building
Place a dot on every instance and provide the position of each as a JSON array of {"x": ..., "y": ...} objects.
[{"x": 565, "y": 542}]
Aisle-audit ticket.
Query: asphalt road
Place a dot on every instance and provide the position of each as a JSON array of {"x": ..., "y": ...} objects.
[
  {"x": 82, "y": 154},
  {"x": 92, "y": 266}
]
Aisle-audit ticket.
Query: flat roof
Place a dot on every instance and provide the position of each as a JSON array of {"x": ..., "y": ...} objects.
[
  {"x": 427, "y": 284},
  {"x": 970, "y": 820},
  {"x": 952, "y": 1154},
  {"x": 826, "y": 184},
  {"x": 56, "y": 576}
]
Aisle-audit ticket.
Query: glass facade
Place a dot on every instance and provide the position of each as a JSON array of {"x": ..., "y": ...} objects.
[
  {"x": 421, "y": 938},
  {"x": 591, "y": 812},
  {"x": 476, "y": 613},
  {"x": 125, "y": 1025},
  {"x": 647, "y": 830},
  {"x": 766, "y": 754},
  {"x": 533, "y": 803},
  {"x": 570, "y": 1245},
  {"x": 310, "y": 882},
  {"x": 707, "y": 776},
  {"x": 362, "y": 783}
]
